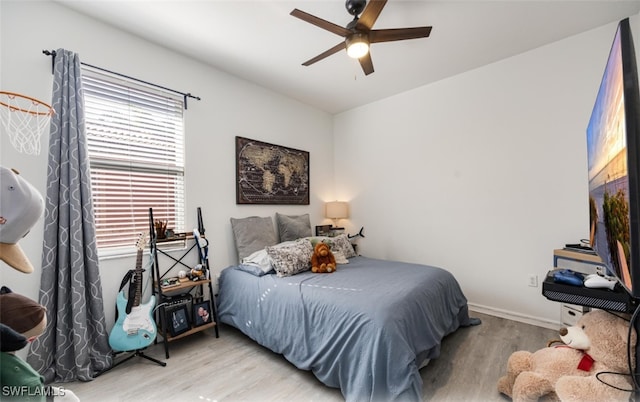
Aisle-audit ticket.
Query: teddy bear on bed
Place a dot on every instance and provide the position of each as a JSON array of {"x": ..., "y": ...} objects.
[
  {"x": 322, "y": 260},
  {"x": 596, "y": 344}
]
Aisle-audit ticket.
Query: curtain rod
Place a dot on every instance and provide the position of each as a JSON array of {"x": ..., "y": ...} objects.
[{"x": 52, "y": 53}]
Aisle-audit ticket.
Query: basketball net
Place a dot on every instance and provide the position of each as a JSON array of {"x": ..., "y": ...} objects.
[{"x": 24, "y": 120}]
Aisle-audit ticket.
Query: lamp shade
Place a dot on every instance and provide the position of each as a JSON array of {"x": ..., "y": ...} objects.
[{"x": 337, "y": 210}]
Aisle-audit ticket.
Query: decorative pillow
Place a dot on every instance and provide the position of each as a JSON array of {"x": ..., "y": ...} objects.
[
  {"x": 291, "y": 258},
  {"x": 252, "y": 234},
  {"x": 317, "y": 239},
  {"x": 293, "y": 227},
  {"x": 259, "y": 259},
  {"x": 252, "y": 269},
  {"x": 342, "y": 243},
  {"x": 340, "y": 258}
]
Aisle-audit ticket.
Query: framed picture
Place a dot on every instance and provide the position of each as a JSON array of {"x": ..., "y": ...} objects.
[
  {"x": 178, "y": 320},
  {"x": 202, "y": 313},
  {"x": 323, "y": 230},
  {"x": 271, "y": 174}
]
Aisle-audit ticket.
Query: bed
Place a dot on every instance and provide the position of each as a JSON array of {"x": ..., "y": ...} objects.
[{"x": 365, "y": 328}]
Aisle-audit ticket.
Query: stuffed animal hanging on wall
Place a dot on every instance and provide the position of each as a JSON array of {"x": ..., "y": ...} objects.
[{"x": 21, "y": 205}]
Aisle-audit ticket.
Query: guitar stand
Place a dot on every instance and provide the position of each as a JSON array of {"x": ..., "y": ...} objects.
[{"x": 139, "y": 353}]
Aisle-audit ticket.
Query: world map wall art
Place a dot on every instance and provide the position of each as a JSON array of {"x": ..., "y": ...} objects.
[{"x": 271, "y": 174}]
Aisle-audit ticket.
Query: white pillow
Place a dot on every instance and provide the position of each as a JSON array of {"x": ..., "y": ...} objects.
[
  {"x": 340, "y": 258},
  {"x": 259, "y": 259}
]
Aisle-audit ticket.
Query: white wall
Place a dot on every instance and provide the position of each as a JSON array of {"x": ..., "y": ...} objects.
[
  {"x": 229, "y": 107},
  {"x": 483, "y": 173}
]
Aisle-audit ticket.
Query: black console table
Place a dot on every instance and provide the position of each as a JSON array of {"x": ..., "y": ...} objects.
[{"x": 604, "y": 299}]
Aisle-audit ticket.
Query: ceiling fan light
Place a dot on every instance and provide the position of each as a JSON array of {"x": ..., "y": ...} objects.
[{"x": 357, "y": 46}]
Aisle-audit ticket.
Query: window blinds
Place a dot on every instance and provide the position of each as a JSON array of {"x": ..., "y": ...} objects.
[{"x": 135, "y": 138}]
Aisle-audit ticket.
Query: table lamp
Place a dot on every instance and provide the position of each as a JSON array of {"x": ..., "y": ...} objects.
[{"x": 336, "y": 210}]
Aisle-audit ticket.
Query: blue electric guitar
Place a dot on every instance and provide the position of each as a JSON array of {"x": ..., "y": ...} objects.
[{"x": 135, "y": 328}]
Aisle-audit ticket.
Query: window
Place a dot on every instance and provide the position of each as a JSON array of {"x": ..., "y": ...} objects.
[{"x": 135, "y": 137}]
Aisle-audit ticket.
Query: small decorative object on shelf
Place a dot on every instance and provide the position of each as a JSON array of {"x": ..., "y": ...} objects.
[
  {"x": 169, "y": 282},
  {"x": 161, "y": 228},
  {"x": 198, "y": 273}
]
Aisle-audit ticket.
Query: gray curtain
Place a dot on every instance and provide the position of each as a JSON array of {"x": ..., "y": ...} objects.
[{"x": 75, "y": 344}]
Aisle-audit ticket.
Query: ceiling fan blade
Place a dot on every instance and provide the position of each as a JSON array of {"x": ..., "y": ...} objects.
[
  {"x": 370, "y": 14},
  {"x": 325, "y": 54},
  {"x": 319, "y": 22},
  {"x": 389, "y": 35},
  {"x": 366, "y": 63}
]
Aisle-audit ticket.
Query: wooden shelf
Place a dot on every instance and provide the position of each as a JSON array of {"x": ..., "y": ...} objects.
[
  {"x": 178, "y": 237},
  {"x": 184, "y": 285},
  {"x": 577, "y": 255},
  {"x": 191, "y": 331}
]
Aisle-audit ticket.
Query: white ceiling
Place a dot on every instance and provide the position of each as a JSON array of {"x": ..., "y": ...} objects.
[{"x": 260, "y": 42}]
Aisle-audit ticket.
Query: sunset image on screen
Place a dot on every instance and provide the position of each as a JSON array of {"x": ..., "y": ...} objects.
[{"x": 608, "y": 170}]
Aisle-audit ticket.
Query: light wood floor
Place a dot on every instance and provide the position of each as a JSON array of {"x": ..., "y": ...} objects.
[{"x": 234, "y": 368}]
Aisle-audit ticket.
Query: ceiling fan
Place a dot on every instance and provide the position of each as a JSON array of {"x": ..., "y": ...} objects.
[{"x": 358, "y": 33}]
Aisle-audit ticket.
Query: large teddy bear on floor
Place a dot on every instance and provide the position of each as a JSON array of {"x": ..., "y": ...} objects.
[{"x": 596, "y": 344}]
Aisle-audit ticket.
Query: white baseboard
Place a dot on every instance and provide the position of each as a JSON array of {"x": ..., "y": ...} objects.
[{"x": 510, "y": 315}]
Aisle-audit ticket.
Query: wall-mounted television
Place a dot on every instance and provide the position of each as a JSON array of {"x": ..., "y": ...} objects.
[{"x": 613, "y": 148}]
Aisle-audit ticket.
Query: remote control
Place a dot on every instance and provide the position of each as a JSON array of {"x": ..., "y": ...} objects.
[
  {"x": 596, "y": 281},
  {"x": 568, "y": 277}
]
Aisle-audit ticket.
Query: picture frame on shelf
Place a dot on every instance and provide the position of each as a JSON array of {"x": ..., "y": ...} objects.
[
  {"x": 178, "y": 320},
  {"x": 202, "y": 313},
  {"x": 323, "y": 230}
]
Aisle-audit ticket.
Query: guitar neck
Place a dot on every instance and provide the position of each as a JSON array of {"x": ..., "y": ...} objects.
[{"x": 138, "y": 280}]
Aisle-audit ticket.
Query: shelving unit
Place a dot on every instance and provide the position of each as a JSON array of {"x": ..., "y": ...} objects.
[{"x": 183, "y": 293}]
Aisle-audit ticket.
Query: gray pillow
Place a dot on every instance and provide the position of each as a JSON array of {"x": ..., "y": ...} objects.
[
  {"x": 252, "y": 234},
  {"x": 293, "y": 227}
]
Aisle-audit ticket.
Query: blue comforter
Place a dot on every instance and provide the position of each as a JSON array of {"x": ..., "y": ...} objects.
[{"x": 364, "y": 329}]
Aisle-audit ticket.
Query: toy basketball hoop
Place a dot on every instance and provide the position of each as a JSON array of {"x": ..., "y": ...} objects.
[{"x": 24, "y": 120}]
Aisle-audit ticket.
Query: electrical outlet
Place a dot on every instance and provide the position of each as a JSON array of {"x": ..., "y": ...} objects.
[{"x": 533, "y": 280}]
